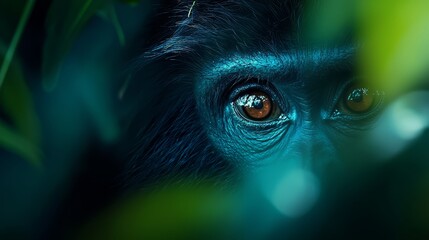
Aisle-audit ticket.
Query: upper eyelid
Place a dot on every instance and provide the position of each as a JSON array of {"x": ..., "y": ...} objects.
[
  {"x": 336, "y": 113},
  {"x": 266, "y": 87}
]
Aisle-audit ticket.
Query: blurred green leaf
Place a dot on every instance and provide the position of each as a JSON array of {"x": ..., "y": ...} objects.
[
  {"x": 22, "y": 135},
  {"x": 109, "y": 14},
  {"x": 329, "y": 21},
  {"x": 16, "y": 102},
  {"x": 15, "y": 142},
  {"x": 64, "y": 22},
  {"x": 117, "y": 24},
  {"x": 175, "y": 212},
  {"x": 395, "y": 56},
  {"x": 393, "y": 34},
  {"x": 8, "y": 56}
]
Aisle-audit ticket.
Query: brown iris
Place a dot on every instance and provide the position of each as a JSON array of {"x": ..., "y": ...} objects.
[
  {"x": 255, "y": 105},
  {"x": 358, "y": 99}
]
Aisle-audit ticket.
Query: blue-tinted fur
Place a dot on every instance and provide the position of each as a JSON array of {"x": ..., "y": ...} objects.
[
  {"x": 189, "y": 135},
  {"x": 175, "y": 142}
]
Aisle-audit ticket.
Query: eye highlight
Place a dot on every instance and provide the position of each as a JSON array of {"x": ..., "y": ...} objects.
[
  {"x": 256, "y": 105},
  {"x": 358, "y": 99}
]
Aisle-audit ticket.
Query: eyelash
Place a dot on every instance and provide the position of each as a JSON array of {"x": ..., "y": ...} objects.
[
  {"x": 231, "y": 86},
  {"x": 253, "y": 86}
]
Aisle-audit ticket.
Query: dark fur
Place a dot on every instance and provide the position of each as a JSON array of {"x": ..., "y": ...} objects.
[{"x": 174, "y": 143}]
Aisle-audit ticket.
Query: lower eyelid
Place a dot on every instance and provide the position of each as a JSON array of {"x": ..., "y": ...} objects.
[
  {"x": 276, "y": 111},
  {"x": 372, "y": 113},
  {"x": 282, "y": 120}
]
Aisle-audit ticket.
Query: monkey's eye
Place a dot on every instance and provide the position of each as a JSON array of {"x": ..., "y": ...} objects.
[
  {"x": 359, "y": 100},
  {"x": 256, "y": 105}
]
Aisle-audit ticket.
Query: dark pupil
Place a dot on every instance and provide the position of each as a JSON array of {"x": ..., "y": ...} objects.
[
  {"x": 356, "y": 95},
  {"x": 257, "y": 103}
]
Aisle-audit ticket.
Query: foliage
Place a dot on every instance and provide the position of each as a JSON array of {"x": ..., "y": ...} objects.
[{"x": 19, "y": 126}]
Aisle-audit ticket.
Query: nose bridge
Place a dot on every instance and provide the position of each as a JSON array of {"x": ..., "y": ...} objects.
[{"x": 310, "y": 146}]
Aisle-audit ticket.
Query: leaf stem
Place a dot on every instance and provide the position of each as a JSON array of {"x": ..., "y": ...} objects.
[
  {"x": 15, "y": 40},
  {"x": 117, "y": 25}
]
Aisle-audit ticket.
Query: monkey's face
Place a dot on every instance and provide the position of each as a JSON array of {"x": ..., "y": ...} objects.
[
  {"x": 290, "y": 114},
  {"x": 249, "y": 95},
  {"x": 296, "y": 106},
  {"x": 263, "y": 93},
  {"x": 264, "y": 101}
]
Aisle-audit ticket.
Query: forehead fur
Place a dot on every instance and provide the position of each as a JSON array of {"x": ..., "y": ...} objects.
[{"x": 240, "y": 25}]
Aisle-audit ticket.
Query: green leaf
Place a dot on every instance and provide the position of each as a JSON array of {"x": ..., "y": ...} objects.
[
  {"x": 22, "y": 135},
  {"x": 64, "y": 22},
  {"x": 185, "y": 212},
  {"x": 15, "y": 142},
  {"x": 15, "y": 40},
  {"x": 109, "y": 14},
  {"x": 117, "y": 24},
  {"x": 395, "y": 56},
  {"x": 327, "y": 22}
]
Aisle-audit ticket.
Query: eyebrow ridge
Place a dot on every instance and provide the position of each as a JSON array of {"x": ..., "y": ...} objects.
[{"x": 268, "y": 64}]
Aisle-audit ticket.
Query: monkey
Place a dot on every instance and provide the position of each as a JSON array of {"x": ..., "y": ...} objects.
[
  {"x": 242, "y": 87},
  {"x": 235, "y": 93},
  {"x": 243, "y": 94}
]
